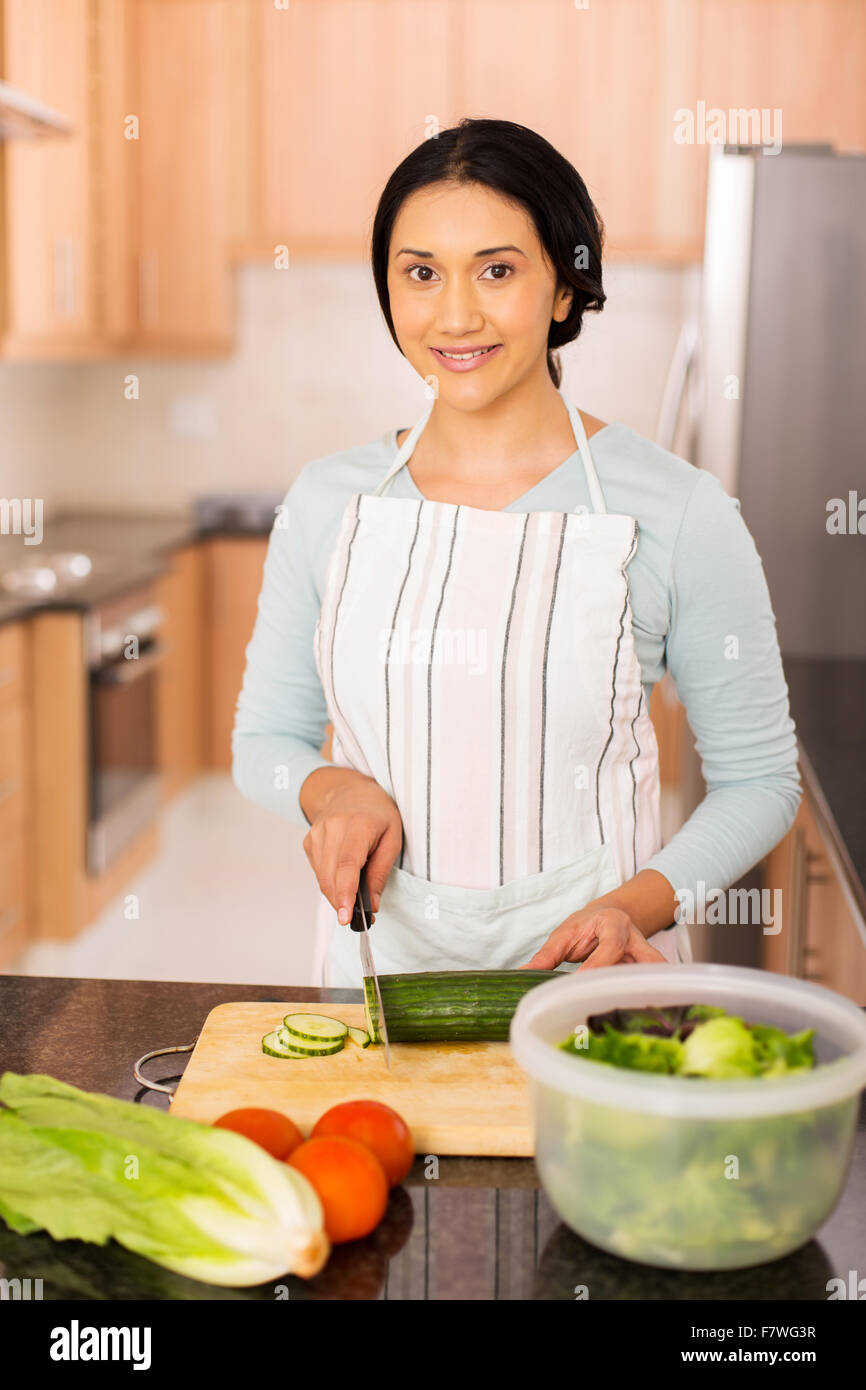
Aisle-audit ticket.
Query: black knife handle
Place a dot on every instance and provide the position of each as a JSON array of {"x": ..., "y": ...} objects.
[{"x": 363, "y": 894}]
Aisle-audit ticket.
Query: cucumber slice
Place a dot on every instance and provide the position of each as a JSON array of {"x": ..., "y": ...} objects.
[
  {"x": 325, "y": 1048},
  {"x": 314, "y": 1028},
  {"x": 359, "y": 1037},
  {"x": 274, "y": 1046}
]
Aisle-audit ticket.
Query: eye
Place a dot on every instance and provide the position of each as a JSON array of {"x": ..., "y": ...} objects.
[
  {"x": 499, "y": 266},
  {"x": 421, "y": 280}
]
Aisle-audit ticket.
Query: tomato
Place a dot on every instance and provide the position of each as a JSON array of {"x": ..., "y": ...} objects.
[
  {"x": 377, "y": 1126},
  {"x": 268, "y": 1128},
  {"x": 350, "y": 1183}
]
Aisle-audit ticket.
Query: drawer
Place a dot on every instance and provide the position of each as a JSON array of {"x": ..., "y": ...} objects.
[
  {"x": 12, "y": 754},
  {"x": 12, "y": 665}
]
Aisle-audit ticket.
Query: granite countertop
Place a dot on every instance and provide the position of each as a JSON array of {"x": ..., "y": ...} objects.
[
  {"x": 482, "y": 1230},
  {"x": 128, "y": 550}
]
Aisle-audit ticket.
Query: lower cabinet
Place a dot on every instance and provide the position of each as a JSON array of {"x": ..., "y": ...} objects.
[
  {"x": 823, "y": 936},
  {"x": 233, "y": 570},
  {"x": 182, "y": 726},
  {"x": 15, "y": 784}
]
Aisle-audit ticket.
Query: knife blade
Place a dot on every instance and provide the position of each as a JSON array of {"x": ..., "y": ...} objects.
[{"x": 361, "y": 924}]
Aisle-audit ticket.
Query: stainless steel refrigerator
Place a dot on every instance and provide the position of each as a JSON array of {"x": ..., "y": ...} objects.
[{"x": 767, "y": 390}]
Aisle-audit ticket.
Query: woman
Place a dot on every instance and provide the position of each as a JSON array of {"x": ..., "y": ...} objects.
[{"x": 484, "y": 629}]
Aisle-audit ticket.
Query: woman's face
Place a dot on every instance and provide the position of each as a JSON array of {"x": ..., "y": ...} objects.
[{"x": 467, "y": 274}]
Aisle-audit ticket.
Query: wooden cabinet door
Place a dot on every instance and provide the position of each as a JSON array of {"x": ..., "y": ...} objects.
[
  {"x": 180, "y": 79},
  {"x": 234, "y": 578},
  {"x": 834, "y": 938},
  {"x": 823, "y": 936},
  {"x": 182, "y": 722},
  {"x": 16, "y": 877},
  {"x": 50, "y": 300},
  {"x": 340, "y": 91}
]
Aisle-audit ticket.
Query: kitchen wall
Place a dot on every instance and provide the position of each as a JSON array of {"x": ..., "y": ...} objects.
[{"x": 315, "y": 371}]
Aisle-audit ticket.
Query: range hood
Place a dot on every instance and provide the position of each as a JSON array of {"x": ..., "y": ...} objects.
[{"x": 23, "y": 116}]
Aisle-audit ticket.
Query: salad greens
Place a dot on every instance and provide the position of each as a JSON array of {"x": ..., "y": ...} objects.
[
  {"x": 199, "y": 1200},
  {"x": 691, "y": 1040},
  {"x": 674, "y": 1191}
]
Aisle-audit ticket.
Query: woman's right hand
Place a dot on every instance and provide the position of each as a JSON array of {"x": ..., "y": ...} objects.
[{"x": 353, "y": 822}]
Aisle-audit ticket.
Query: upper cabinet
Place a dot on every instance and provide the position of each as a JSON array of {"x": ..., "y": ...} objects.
[
  {"x": 180, "y": 61},
  {"x": 338, "y": 92},
  {"x": 48, "y": 290},
  {"x": 115, "y": 237},
  {"x": 207, "y": 132}
]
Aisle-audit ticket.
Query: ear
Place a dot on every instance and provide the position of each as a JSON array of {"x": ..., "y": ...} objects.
[{"x": 562, "y": 303}]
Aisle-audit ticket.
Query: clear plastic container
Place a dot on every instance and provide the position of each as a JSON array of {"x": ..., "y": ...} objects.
[{"x": 685, "y": 1172}]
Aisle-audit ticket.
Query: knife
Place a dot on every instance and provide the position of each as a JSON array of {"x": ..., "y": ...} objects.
[{"x": 361, "y": 924}]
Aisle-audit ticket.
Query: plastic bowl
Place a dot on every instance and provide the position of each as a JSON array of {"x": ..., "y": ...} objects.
[{"x": 684, "y": 1172}]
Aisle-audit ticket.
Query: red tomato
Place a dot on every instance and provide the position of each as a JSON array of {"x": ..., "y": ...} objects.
[
  {"x": 350, "y": 1183},
  {"x": 376, "y": 1125},
  {"x": 267, "y": 1128}
]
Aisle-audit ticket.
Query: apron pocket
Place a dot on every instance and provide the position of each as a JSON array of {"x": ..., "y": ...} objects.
[{"x": 423, "y": 925}]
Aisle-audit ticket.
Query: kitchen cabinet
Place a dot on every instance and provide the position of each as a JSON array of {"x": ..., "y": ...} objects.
[
  {"x": 179, "y": 82},
  {"x": 601, "y": 82},
  {"x": 338, "y": 91},
  {"x": 823, "y": 936},
  {"x": 66, "y": 897},
  {"x": 233, "y": 566},
  {"x": 49, "y": 290},
  {"x": 15, "y": 915},
  {"x": 114, "y": 237},
  {"x": 182, "y": 728}
]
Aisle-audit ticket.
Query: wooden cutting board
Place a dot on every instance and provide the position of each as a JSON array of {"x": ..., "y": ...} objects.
[{"x": 457, "y": 1098}]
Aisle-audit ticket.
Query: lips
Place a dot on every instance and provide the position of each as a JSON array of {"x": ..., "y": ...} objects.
[{"x": 465, "y": 359}]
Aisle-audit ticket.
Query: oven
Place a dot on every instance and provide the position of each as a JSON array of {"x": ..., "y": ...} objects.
[{"x": 123, "y": 653}]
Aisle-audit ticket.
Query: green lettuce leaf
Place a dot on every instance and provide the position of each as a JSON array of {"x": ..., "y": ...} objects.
[{"x": 204, "y": 1202}]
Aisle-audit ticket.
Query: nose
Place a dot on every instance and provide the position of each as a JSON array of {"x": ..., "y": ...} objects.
[{"x": 458, "y": 311}]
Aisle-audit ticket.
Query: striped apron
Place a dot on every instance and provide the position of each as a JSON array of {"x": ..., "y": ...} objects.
[{"x": 480, "y": 665}]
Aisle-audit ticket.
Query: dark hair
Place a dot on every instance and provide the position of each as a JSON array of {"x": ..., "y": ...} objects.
[{"x": 525, "y": 168}]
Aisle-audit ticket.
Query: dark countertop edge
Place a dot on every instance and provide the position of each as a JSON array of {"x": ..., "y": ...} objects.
[
  {"x": 14, "y": 609},
  {"x": 827, "y": 825}
]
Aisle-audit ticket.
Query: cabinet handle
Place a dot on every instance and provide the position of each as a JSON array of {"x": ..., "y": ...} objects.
[
  {"x": 797, "y": 943},
  {"x": 148, "y": 289},
  {"x": 9, "y": 918}
]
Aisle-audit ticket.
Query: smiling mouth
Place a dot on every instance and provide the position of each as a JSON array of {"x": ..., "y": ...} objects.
[
  {"x": 466, "y": 359},
  {"x": 465, "y": 356}
]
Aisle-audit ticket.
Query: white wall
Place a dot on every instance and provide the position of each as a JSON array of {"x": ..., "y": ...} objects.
[{"x": 314, "y": 371}]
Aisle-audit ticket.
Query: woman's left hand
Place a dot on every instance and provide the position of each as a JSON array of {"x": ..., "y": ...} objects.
[{"x": 596, "y": 936}]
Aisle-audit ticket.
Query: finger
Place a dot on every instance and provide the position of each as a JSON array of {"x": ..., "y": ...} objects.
[
  {"x": 351, "y": 855},
  {"x": 555, "y": 950},
  {"x": 609, "y": 951},
  {"x": 640, "y": 949},
  {"x": 380, "y": 864}
]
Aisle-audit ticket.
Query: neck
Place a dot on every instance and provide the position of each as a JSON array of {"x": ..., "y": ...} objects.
[{"x": 527, "y": 423}]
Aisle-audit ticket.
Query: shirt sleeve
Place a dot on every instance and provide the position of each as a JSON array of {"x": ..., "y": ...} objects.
[
  {"x": 723, "y": 653},
  {"x": 281, "y": 714}
]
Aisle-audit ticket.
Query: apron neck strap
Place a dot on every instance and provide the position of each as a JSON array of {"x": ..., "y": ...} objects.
[{"x": 407, "y": 448}]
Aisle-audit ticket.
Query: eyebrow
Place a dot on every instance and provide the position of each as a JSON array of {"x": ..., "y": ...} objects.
[{"x": 488, "y": 251}]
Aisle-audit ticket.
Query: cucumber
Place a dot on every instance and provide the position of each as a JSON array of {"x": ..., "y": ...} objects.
[
  {"x": 274, "y": 1046},
  {"x": 307, "y": 1048},
  {"x": 450, "y": 1005},
  {"x": 359, "y": 1037},
  {"x": 314, "y": 1028}
]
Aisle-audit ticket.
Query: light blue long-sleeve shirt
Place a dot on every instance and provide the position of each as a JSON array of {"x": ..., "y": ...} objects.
[{"x": 700, "y": 609}]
